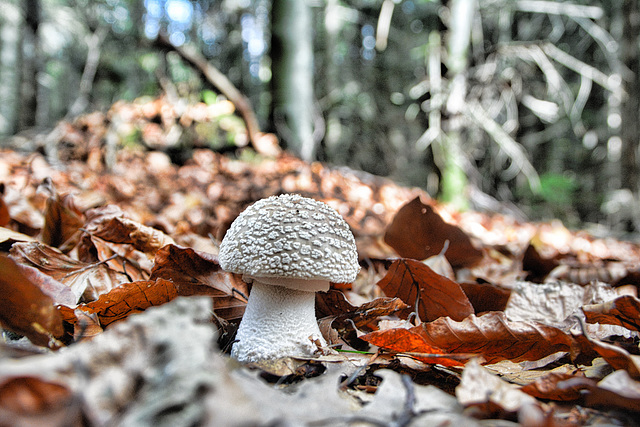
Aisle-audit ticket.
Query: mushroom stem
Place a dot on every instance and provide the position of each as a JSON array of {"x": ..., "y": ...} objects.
[{"x": 277, "y": 322}]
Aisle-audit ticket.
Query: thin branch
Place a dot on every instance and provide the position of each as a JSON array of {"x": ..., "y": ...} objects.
[
  {"x": 510, "y": 147},
  {"x": 226, "y": 87},
  {"x": 559, "y": 8},
  {"x": 572, "y": 63}
]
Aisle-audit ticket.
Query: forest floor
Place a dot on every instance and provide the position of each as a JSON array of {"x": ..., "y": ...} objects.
[{"x": 116, "y": 312}]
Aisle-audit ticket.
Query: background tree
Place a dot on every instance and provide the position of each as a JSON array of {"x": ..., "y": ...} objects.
[{"x": 544, "y": 120}]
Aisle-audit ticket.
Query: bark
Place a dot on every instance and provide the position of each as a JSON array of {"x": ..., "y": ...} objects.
[
  {"x": 292, "y": 56},
  {"x": 30, "y": 65},
  {"x": 11, "y": 23},
  {"x": 631, "y": 106},
  {"x": 454, "y": 180}
]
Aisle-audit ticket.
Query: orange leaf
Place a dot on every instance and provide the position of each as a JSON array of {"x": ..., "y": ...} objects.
[
  {"x": 414, "y": 282},
  {"x": 418, "y": 232},
  {"x": 410, "y": 341},
  {"x": 130, "y": 298},
  {"x": 25, "y": 309},
  {"x": 496, "y": 338}
]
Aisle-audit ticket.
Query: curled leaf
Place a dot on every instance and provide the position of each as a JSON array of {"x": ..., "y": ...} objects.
[
  {"x": 418, "y": 232},
  {"x": 417, "y": 284}
]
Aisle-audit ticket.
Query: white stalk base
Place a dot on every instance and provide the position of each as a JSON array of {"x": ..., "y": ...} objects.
[{"x": 278, "y": 322}]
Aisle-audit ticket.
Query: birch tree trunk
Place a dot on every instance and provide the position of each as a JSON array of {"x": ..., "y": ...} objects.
[{"x": 292, "y": 55}]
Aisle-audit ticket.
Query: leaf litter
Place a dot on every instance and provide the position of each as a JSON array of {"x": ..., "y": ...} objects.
[{"x": 115, "y": 310}]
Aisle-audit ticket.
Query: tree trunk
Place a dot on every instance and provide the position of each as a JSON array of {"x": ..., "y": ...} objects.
[
  {"x": 30, "y": 65},
  {"x": 292, "y": 56},
  {"x": 629, "y": 132},
  {"x": 453, "y": 187},
  {"x": 11, "y": 23}
]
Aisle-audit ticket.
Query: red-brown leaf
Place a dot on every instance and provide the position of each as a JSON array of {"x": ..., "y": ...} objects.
[
  {"x": 436, "y": 295},
  {"x": 495, "y": 338},
  {"x": 418, "y": 232},
  {"x": 623, "y": 311},
  {"x": 198, "y": 273},
  {"x": 25, "y": 309},
  {"x": 555, "y": 386}
]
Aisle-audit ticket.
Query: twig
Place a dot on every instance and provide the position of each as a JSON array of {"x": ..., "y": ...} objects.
[
  {"x": 559, "y": 8},
  {"x": 223, "y": 84}
]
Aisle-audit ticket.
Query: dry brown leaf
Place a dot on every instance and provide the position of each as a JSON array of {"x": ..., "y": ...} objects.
[
  {"x": 334, "y": 304},
  {"x": 616, "y": 390},
  {"x": 617, "y": 357},
  {"x": 25, "y": 309},
  {"x": 435, "y": 295},
  {"x": 4, "y": 210},
  {"x": 110, "y": 224},
  {"x": 342, "y": 322},
  {"x": 486, "y": 297},
  {"x": 87, "y": 280},
  {"x": 555, "y": 386},
  {"x": 62, "y": 219},
  {"x": 623, "y": 311},
  {"x": 31, "y": 401},
  {"x": 495, "y": 338},
  {"x": 198, "y": 273},
  {"x": 418, "y": 232},
  {"x": 126, "y": 299}
]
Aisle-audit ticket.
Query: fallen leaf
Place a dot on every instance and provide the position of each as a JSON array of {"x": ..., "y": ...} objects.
[
  {"x": 34, "y": 401},
  {"x": 86, "y": 280},
  {"x": 110, "y": 224},
  {"x": 555, "y": 386},
  {"x": 417, "y": 284},
  {"x": 342, "y": 322},
  {"x": 488, "y": 394},
  {"x": 198, "y": 273},
  {"x": 623, "y": 311},
  {"x": 617, "y": 357},
  {"x": 495, "y": 338},
  {"x": 126, "y": 299},
  {"x": 62, "y": 219},
  {"x": 486, "y": 297},
  {"x": 418, "y": 232},
  {"x": 4, "y": 210},
  {"x": 411, "y": 342},
  {"x": 25, "y": 309},
  {"x": 31, "y": 395},
  {"x": 536, "y": 265},
  {"x": 334, "y": 304},
  {"x": 616, "y": 390}
]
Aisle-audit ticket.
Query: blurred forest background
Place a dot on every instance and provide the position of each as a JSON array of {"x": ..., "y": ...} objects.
[{"x": 525, "y": 106}]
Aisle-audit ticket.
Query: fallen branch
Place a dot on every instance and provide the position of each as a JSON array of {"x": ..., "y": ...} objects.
[{"x": 263, "y": 143}]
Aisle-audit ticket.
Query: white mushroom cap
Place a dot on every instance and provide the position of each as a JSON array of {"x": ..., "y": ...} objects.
[{"x": 291, "y": 237}]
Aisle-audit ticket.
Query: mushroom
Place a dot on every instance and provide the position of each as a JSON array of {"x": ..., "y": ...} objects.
[{"x": 288, "y": 247}]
